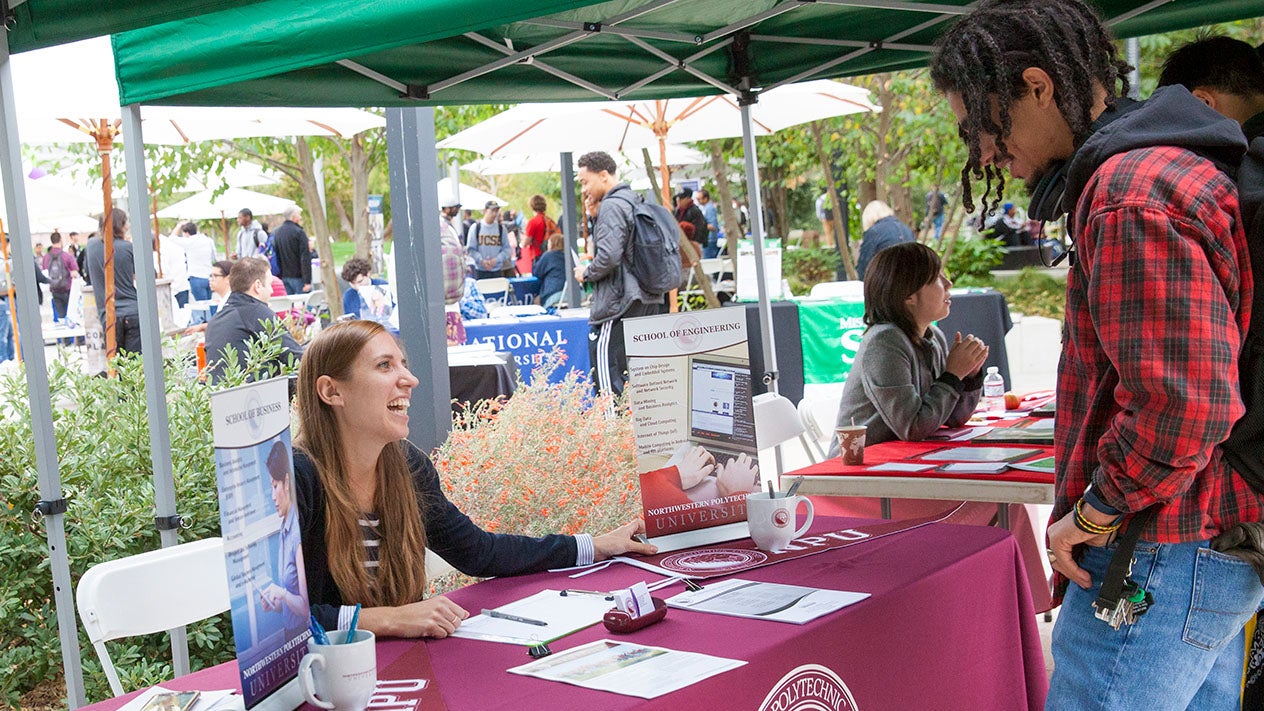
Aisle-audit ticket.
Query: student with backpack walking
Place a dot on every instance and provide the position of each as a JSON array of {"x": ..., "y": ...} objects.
[
  {"x": 637, "y": 261},
  {"x": 60, "y": 267}
]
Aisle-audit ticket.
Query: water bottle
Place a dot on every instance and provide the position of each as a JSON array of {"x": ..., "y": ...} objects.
[{"x": 994, "y": 392}]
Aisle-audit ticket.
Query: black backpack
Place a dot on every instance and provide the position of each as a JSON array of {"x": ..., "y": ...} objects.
[
  {"x": 58, "y": 274},
  {"x": 653, "y": 249},
  {"x": 1245, "y": 447}
]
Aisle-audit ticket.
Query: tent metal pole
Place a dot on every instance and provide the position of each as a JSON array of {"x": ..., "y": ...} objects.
[
  {"x": 31, "y": 335},
  {"x": 165, "y": 517},
  {"x": 574, "y": 290},
  {"x": 756, "y": 203},
  {"x": 414, "y": 173}
]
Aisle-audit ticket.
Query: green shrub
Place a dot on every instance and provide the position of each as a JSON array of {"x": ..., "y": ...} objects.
[
  {"x": 804, "y": 268},
  {"x": 1034, "y": 292},
  {"x": 103, "y": 448},
  {"x": 972, "y": 260}
]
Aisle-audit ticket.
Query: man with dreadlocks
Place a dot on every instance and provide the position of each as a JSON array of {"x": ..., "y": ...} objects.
[{"x": 1157, "y": 301}]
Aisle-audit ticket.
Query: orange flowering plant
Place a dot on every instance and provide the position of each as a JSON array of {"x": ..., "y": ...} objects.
[{"x": 551, "y": 459}]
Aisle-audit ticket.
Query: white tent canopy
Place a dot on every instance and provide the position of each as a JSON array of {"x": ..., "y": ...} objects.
[{"x": 207, "y": 206}]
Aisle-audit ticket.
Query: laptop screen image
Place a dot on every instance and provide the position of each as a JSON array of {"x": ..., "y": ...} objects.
[{"x": 720, "y": 404}]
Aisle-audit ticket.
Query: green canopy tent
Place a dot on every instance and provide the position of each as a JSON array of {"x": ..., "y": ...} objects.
[
  {"x": 411, "y": 53},
  {"x": 440, "y": 52}
]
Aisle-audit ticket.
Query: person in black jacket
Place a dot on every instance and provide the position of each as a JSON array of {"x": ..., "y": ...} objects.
[
  {"x": 242, "y": 317},
  {"x": 294, "y": 259},
  {"x": 687, "y": 211},
  {"x": 370, "y": 502}
]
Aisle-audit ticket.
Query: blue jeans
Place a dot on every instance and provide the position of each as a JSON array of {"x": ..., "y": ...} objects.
[
  {"x": 200, "y": 287},
  {"x": 293, "y": 285},
  {"x": 6, "y": 332},
  {"x": 1186, "y": 652},
  {"x": 712, "y": 250}
]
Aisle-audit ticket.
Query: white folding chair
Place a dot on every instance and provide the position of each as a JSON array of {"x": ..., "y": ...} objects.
[
  {"x": 151, "y": 592},
  {"x": 495, "y": 290},
  {"x": 815, "y": 433},
  {"x": 777, "y": 422}
]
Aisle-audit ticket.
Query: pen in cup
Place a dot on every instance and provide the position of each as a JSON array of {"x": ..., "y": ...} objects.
[
  {"x": 514, "y": 618},
  {"x": 794, "y": 487},
  {"x": 355, "y": 619},
  {"x": 318, "y": 632}
]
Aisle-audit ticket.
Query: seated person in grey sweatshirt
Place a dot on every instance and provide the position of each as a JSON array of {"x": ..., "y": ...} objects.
[{"x": 907, "y": 380}]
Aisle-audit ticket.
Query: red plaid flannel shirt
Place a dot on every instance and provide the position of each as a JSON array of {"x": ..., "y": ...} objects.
[{"x": 1148, "y": 380}]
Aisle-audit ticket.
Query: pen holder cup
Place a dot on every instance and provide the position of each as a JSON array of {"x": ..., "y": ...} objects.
[{"x": 620, "y": 622}]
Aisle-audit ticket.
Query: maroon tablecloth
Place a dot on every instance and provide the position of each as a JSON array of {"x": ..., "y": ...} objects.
[
  {"x": 949, "y": 625},
  {"x": 1021, "y": 522}
]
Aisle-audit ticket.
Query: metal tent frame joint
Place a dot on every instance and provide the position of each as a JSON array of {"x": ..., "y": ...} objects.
[
  {"x": 170, "y": 523},
  {"x": 592, "y": 27},
  {"x": 49, "y": 507},
  {"x": 416, "y": 91}
]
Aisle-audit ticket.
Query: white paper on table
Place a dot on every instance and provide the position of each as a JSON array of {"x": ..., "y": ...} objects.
[
  {"x": 206, "y": 701},
  {"x": 563, "y": 614},
  {"x": 1044, "y": 465},
  {"x": 629, "y": 669},
  {"x": 900, "y": 467},
  {"x": 766, "y": 601}
]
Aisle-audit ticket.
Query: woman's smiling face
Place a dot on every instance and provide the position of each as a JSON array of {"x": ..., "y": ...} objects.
[{"x": 375, "y": 396}]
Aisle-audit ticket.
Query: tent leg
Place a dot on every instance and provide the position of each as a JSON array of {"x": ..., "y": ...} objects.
[
  {"x": 31, "y": 334},
  {"x": 756, "y": 203},
  {"x": 574, "y": 290},
  {"x": 414, "y": 173},
  {"x": 151, "y": 356}
]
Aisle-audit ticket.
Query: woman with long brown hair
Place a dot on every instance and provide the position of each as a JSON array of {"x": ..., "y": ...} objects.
[{"x": 370, "y": 501}]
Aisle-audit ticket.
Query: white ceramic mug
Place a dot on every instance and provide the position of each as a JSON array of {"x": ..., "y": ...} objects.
[
  {"x": 340, "y": 676},
  {"x": 771, "y": 521}
]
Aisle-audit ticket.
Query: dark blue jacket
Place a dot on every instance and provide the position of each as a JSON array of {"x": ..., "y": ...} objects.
[
  {"x": 449, "y": 533},
  {"x": 550, "y": 268},
  {"x": 887, "y": 232}
]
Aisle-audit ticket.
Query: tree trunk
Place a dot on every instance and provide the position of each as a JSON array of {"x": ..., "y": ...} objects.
[
  {"x": 732, "y": 225},
  {"x": 866, "y": 192},
  {"x": 319, "y": 224},
  {"x": 358, "y": 165},
  {"x": 840, "y": 212}
]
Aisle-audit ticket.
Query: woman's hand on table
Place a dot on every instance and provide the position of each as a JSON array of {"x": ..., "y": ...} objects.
[
  {"x": 435, "y": 617},
  {"x": 966, "y": 356},
  {"x": 620, "y": 541}
]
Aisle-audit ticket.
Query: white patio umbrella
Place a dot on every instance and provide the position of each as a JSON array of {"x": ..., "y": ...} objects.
[
  {"x": 241, "y": 175},
  {"x": 68, "y": 93},
  {"x": 633, "y": 125},
  {"x": 470, "y": 196},
  {"x": 61, "y": 89},
  {"x": 206, "y": 205},
  {"x": 629, "y": 163},
  {"x": 53, "y": 204}
]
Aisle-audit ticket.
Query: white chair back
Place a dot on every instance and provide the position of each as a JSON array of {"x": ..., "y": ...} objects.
[
  {"x": 494, "y": 290},
  {"x": 838, "y": 290},
  {"x": 777, "y": 422},
  {"x": 151, "y": 592},
  {"x": 815, "y": 433}
]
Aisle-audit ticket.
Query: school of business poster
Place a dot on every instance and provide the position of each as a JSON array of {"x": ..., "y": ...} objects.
[
  {"x": 259, "y": 519},
  {"x": 689, "y": 387}
]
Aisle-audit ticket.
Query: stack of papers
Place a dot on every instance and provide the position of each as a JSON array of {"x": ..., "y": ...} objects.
[
  {"x": 765, "y": 601},
  {"x": 631, "y": 669}
]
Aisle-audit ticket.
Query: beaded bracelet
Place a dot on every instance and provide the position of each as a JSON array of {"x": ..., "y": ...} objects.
[{"x": 1087, "y": 526}]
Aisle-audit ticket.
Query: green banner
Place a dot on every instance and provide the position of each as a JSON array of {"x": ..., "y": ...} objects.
[{"x": 831, "y": 332}]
